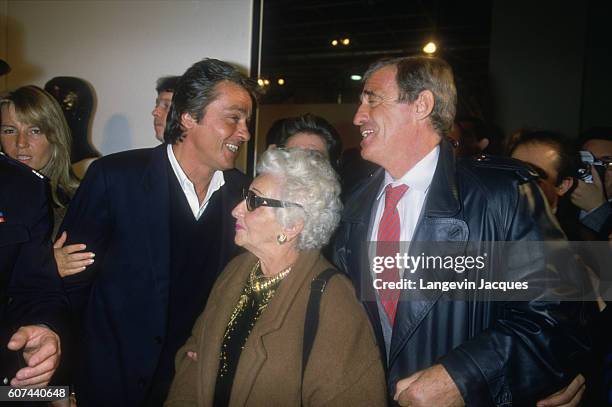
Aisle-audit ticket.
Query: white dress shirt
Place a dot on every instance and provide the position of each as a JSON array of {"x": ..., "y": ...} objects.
[
  {"x": 409, "y": 207},
  {"x": 188, "y": 188}
]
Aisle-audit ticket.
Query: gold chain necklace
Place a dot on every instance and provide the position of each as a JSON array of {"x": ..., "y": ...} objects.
[{"x": 261, "y": 283}]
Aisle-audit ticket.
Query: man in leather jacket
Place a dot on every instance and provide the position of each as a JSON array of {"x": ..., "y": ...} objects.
[{"x": 441, "y": 352}]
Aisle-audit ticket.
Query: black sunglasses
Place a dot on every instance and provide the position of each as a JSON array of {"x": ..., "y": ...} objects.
[{"x": 254, "y": 201}]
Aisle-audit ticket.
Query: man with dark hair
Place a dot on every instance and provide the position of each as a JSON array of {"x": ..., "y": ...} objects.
[
  {"x": 159, "y": 223},
  {"x": 553, "y": 158},
  {"x": 595, "y": 198},
  {"x": 316, "y": 125},
  {"x": 165, "y": 89},
  {"x": 440, "y": 350}
]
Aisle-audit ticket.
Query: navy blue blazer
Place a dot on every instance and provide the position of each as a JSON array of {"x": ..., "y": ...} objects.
[
  {"x": 30, "y": 289},
  {"x": 121, "y": 212}
]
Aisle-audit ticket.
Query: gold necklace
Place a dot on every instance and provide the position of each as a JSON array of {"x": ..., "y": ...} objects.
[{"x": 262, "y": 283}]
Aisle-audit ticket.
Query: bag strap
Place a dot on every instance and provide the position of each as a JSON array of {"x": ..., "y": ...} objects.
[{"x": 311, "y": 323}]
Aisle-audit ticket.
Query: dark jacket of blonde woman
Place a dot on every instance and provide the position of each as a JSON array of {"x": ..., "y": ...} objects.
[{"x": 344, "y": 368}]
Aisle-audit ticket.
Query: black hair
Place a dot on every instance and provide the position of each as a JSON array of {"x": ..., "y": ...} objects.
[
  {"x": 275, "y": 132},
  {"x": 310, "y": 123},
  {"x": 167, "y": 84},
  {"x": 568, "y": 155},
  {"x": 595, "y": 133},
  {"x": 197, "y": 88}
]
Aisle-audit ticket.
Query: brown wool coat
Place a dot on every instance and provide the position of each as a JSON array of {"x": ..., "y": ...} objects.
[{"x": 344, "y": 367}]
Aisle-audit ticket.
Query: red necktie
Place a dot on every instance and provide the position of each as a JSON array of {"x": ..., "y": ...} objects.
[{"x": 387, "y": 245}]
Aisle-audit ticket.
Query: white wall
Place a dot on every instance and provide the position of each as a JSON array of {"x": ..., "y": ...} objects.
[{"x": 121, "y": 48}]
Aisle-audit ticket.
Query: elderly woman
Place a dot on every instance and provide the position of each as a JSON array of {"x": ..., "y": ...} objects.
[{"x": 246, "y": 348}]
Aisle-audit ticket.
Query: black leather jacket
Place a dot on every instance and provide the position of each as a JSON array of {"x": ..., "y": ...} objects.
[{"x": 498, "y": 353}]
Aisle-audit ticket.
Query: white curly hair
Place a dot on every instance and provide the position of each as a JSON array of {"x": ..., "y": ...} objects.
[{"x": 306, "y": 178}]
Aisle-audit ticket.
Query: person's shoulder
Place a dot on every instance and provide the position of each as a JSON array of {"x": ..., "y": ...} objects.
[
  {"x": 126, "y": 161},
  {"x": 338, "y": 285},
  {"x": 495, "y": 170},
  {"x": 12, "y": 172}
]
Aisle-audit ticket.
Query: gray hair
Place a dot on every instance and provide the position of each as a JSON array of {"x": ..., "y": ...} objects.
[
  {"x": 308, "y": 179},
  {"x": 416, "y": 74}
]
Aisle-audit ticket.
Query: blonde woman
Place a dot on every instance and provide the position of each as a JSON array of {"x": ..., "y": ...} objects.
[{"x": 33, "y": 130}]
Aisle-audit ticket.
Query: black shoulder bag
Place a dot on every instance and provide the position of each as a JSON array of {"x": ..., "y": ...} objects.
[{"x": 311, "y": 323}]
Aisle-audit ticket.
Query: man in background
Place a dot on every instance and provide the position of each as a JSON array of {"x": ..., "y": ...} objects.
[
  {"x": 165, "y": 89},
  {"x": 595, "y": 198}
]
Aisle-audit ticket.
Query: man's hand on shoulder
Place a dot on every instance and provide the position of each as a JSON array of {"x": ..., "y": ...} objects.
[
  {"x": 41, "y": 352},
  {"x": 430, "y": 387}
]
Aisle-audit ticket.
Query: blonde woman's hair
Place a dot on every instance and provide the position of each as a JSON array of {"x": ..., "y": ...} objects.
[{"x": 37, "y": 107}]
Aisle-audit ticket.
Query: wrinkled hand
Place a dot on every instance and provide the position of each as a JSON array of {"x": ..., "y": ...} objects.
[
  {"x": 570, "y": 396},
  {"x": 41, "y": 352},
  {"x": 430, "y": 387},
  {"x": 71, "y": 259},
  {"x": 589, "y": 196}
]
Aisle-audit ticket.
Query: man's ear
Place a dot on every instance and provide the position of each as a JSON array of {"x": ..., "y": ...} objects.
[
  {"x": 187, "y": 121},
  {"x": 424, "y": 104},
  {"x": 565, "y": 186}
]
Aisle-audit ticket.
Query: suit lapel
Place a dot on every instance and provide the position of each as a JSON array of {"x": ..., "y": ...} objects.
[
  {"x": 154, "y": 208},
  {"x": 438, "y": 223}
]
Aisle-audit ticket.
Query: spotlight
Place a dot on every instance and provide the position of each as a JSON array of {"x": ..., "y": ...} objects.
[
  {"x": 281, "y": 81},
  {"x": 334, "y": 43},
  {"x": 430, "y": 48},
  {"x": 356, "y": 77},
  {"x": 266, "y": 82},
  {"x": 346, "y": 41},
  {"x": 260, "y": 82}
]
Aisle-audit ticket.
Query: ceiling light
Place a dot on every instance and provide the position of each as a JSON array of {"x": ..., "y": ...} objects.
[
  {"x": 346, "y": 41},
  {"x": 260, "y": 82},
  {"x": 356, "y": 77},
  {"x": 266, "y": 82},
  {"x": 334, "y": 42},
  {"x": 430, "y": 48},
  {"x": 281, "y": 81}
]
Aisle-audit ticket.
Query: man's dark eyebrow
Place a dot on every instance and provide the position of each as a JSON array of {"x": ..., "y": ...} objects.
[
  {"x": 256, "y": 190},
  {"x": 369, "y": 93},
  {"x": 238, "y": 108}
]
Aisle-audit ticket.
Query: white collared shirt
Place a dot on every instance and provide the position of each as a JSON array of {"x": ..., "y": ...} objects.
[
  {"x": 409, "y": 207},
  {"x": 188, "y": 188}
]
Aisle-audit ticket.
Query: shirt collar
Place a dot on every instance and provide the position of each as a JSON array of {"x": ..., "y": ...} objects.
[
  {"x": 216, "y": 182},
  {"x": 418, "y": 177}
]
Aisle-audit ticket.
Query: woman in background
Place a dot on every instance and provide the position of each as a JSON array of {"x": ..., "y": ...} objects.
[
  {"x": 33, "y": 130},
  {"x": 311, "y": 132}
]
